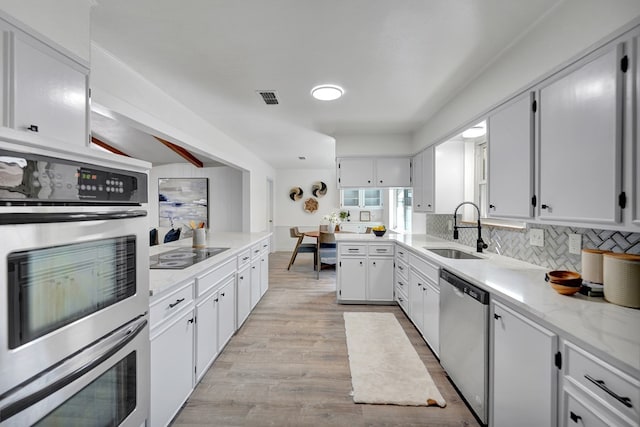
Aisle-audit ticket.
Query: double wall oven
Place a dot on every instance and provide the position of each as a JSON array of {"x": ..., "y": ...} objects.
[{"x": 74, "y": 340}]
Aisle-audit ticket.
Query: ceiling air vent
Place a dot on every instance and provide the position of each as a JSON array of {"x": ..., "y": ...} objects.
[{"x": 269, "y": 97}]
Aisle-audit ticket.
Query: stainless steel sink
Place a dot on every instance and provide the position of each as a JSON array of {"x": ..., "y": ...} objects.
[{"x": 452, "y": 253}]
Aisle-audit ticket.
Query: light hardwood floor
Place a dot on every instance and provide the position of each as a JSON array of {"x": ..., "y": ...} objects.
[{"x": 288, "y": 364}]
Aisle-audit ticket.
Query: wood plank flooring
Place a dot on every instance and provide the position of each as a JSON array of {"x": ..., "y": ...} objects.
[{"x": 288, "y": 364}]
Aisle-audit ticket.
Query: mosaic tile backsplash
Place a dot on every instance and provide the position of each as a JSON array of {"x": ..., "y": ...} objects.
[{"x": 555, "y": 253}]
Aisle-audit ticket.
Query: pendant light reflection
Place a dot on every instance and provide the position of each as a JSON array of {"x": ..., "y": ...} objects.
[{"x": 327, "y": 92}]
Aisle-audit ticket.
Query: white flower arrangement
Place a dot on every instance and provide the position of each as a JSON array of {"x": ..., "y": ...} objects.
[{"x": 333, "y": 218}]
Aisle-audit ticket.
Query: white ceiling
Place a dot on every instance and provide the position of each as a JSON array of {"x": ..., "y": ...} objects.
[{"x": 399, "y": 62}]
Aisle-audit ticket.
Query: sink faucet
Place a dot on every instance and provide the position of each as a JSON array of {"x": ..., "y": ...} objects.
[{"x": 480, "y": 244}]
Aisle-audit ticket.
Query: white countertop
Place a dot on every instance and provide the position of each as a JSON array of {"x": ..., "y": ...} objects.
[
  {"x": 161, "y": 281},
  {"x": 608, "y": 330}
]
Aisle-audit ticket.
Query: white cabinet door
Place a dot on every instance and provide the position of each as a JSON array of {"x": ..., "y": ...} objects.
[
  {"x": 206, "y": 333},
  {"x": 510, "y": 132},
  {"x": 580, "y": 143},
  {"x": 244, "y": 295},
  {"x": 227, "y": 312},
  {"x": 352, "y": 279},
  {"x": 380, "y": 279},
  {"x": 171, "y": 369},
  {"x": 48, "y": 92},
  {"x": 417, "y": 182},
  {"x": 264, "y": 273},
  {"x": 429, "y": 179},
  {"x": 355, "y": 172},
  {"x": 431, "y": 316},
  {"x": 255, "y": 282},
  {"x": 393, "y": 172},
  {"x": 636, "y": 171},
  {"x": 449, "y": 176},
  {"x": 524, "y": 376},
  {"x": 416, "y": 303}
]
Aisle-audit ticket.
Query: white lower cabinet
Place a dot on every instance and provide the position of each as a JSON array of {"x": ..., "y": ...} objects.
[
  {"x": 380, "y": 282},
  {"x": 206, "y": 333},
  {"x": 365, "y": 272},
  {"x": 352, "y": 277},
  {"x": 172, "y": 347},
  {"x": 227, "y": 312},
  {"x": 431, "y": 315},
  {"x": 255, "y": 282},
  {"x": 243, "y": 295},
  {"x": 416, "y": 300},
  {"x": 264, "y": 273},
  {"x": 594, "y": 393},
  {"x": 524, "y": 374}
]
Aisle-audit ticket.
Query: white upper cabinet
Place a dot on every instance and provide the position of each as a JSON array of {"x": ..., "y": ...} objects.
[
  {"x": 580, "y": 142},
  {"x": 46, "y": 92},
  {"x": 393, "y": 172},
  {"x": 510, "y": 146},
  {"x": 374, "y": 172},
  {"x": 424, "y": 181},
  {"x": 449, "y": 176}
]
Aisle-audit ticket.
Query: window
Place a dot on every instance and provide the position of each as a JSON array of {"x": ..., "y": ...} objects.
[{"x": 401, "y": 209}]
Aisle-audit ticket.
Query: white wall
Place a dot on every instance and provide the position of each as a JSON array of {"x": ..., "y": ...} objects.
[
  {"x": 291, "y": 214},
  {"x": 396, "y": 144},
  {"x": 126, "y": 94},
  {"x": 225, "y": 194},
  {"x": 65, "y": 22},
  {"x": 569, "y": 29}
]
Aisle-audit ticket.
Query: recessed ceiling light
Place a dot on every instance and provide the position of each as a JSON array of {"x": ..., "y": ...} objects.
[{"x": 327, "y": 92}]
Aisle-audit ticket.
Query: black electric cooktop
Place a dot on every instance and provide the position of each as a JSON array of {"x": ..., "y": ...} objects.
[{"x": 180, "y": 258}]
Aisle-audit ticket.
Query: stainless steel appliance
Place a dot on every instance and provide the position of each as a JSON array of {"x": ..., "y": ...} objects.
[
  {"x": 180, "y": 258},
  {"x": 464, "y": 347},
  {"x": 73, "y": 277}
]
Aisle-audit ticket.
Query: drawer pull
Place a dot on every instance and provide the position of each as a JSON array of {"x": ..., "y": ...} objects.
[
  {"x": 400, "y": 268},
  {"x": 401, "y": 253},
  {"x": 241, "y": 277},
  {"x": 191, "y": 320},
  {"x": 600, "y": 384},
  {"x": 400, "y": 283},
  {"x": 400, "y": 299},
  {"x": 353, "y": 249},
  {"x": 245, "y": 258},
  {"x": 178, "y": 301},
  {"x": 497, "y": 316},
  {"x": 381, "y": 250},
  {"x": 574, "y": 417}
]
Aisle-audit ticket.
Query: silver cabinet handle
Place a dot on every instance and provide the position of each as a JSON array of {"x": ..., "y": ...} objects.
[{"x": 600, "y": 384}]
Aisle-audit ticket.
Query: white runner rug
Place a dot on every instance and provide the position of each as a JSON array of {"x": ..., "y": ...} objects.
[{"x": 385, "y": 368}]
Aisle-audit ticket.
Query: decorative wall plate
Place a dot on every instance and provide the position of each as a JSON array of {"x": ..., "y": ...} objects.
[
  {"x": 319, "y": 189},
  {"x": 310, "y": 205},
  {"x": 295, "y": 193}
]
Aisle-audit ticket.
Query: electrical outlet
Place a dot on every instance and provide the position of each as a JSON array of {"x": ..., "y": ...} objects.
[
  {"x": 536, "y": 237},
  {"x": 575, "y": 243},
  {"x": 449, "y": 225}
]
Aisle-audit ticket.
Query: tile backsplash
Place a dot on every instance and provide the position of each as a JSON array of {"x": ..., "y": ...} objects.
[{"x": 555, "y": 252}]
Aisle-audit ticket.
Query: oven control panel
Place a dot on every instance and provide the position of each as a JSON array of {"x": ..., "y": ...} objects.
[{"x": 39, "y": 180}]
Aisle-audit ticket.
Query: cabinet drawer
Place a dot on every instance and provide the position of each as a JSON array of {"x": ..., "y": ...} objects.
[
  {"x": 244, "y": 258},
  {"x": 208, "y": 280},
  {"x": 255, "y": 250},
  {"x": 377, "y": 249},
  {"x": 429, "y": 270},
  {"x": 264, "y": 246},
  {"x": 402, "y": 286},
  {"x": 350, "y": 249},
  {"x": 169, "y": 305},
  {"x": 585, "y": 413},
  {"x": 402, "y": 270},
  {"x": 402, "y": 253},
  {"x": 402, "y": 301},
  {"x": 600, "y": 379}
]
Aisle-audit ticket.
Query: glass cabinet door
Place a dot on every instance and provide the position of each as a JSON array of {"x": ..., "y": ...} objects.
[
  {"x": 372, "y": 198},
  {"x": 351, "y": 197}
]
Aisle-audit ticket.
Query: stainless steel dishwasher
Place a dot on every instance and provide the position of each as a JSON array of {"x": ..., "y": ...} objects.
[{"x": 464, "y": 324}]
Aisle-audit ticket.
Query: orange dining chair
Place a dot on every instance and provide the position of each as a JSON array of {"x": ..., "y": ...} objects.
[
  {"x": 301, "y": 247},
  {"x": 326, "y": 250}
]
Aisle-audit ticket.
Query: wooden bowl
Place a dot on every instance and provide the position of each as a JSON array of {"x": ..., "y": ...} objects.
[
  {"x": 565, "y": 290},
  {"x": 563, "y": 277}
]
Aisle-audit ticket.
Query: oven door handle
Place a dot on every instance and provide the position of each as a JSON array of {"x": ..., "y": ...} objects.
[
  {"x": 68, "y": 370},
  {"x": 55, "y": 217}
]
